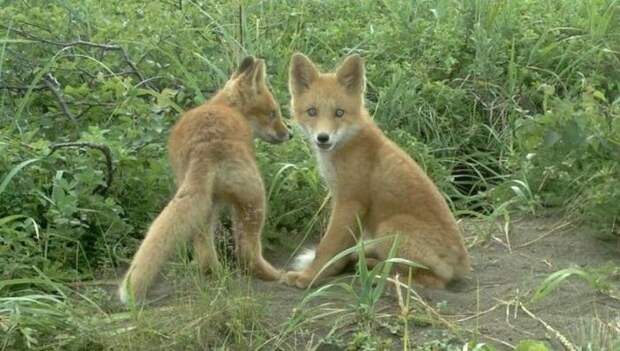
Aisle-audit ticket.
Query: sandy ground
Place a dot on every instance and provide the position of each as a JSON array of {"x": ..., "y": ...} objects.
[
  {"x": 486, "y": 302},
  {"x": 507, "y": 269}
]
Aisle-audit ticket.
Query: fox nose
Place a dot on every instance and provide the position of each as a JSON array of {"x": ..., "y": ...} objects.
[{"x": 322, "y": 138}]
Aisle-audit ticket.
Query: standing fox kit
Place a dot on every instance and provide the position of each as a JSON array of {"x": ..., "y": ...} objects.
[
  {"x": 212, "y": 154},
  {"x": 371, "y": 179}
]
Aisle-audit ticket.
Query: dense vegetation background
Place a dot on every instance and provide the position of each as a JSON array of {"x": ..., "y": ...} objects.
[{"x": 511, "y": 106}]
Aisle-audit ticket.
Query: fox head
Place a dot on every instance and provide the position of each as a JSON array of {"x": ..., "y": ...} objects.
[
  {"x": 248, "y": 91},
  {"x": 329, "y": 107}
]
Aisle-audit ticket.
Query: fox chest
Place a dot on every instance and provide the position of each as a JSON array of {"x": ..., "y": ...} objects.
[{"x": 327, "y": 170}]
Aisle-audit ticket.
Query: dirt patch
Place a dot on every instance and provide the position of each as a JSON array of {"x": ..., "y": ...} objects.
[{"x": 507, "y": 269}]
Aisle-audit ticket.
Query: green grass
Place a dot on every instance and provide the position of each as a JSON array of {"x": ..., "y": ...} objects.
[
  {"x": 599, "y": 279},
  {"x": 511, "y": 106},
  {"x": 204, "y": 315}
]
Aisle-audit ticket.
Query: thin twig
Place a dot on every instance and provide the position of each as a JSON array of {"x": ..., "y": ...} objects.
[
  {"x": 553, "y": 230},
  {"x": 135, "y": 69},
  {"x": 507, "y": 232},
  {"x": 110, "y": 47},
  {"x": 476, "y": 315},
  {"x": 63, "y": 44},
  {"x": 420, "y": 300},
  {"x": 24, "y": 87},
  {"x": 52, "y": 84},
  {"x": 105, "y": 150},
  {"x": 561, "y": 338},
  {"x": 439, "y": 317}
]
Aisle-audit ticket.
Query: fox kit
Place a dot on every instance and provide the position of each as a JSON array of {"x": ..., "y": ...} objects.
[
  {"x": 372, "y": 181},
  {"x": 212, "y": 154}
]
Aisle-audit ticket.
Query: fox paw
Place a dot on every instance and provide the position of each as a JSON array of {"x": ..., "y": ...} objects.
[
  {"x": 268, "y": 273},
  {"x": 298, "y": 279}
]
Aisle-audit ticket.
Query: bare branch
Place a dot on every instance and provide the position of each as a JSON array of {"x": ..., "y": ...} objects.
[
  {"x": 23, "y": 88},
  {"x": 110, "y": 47},
  {"x": 561, "y": 338},
  {"x": 105, "y": 150},
  {"x": 134, "y": 68},
  {"x": 53, "y": 86},
  {"x": 57, "y": 43}
]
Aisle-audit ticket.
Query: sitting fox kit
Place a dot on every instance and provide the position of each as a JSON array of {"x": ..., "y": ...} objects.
[
  {"x": 212, "y": 154},
  {"x": 371, "y": 179}
]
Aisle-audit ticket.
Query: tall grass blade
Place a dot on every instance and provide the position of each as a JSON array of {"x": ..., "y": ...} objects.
[{"x": 7, "y": 178}]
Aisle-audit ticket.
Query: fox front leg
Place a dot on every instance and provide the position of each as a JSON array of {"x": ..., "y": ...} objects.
[{"x": 340, "y": 236}]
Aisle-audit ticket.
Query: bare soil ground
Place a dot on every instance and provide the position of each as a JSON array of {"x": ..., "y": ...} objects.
[{"x": 508, "y": 268}]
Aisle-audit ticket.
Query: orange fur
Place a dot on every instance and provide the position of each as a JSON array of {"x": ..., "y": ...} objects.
[
  {"x": 371, "y": 179},
  {"x": 212, "y": 154}
]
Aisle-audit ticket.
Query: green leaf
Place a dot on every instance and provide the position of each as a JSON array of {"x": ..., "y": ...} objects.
[
  {"x": 531, "y": 345},
  {"x": 481, "y": 347},
  {"x": 555, "y": 279},
  {"x": 11, "y": 218},
  {"x": 13, "y": 172},
  {"x": 551, "y": 137}
]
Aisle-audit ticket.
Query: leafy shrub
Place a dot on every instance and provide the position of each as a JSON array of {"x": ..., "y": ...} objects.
[{"x": 499, "y": 101}]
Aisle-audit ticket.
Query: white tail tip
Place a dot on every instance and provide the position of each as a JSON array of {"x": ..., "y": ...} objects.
[
  {"x": 123, "y": 294},
  {"x": 304, "y": 259}
]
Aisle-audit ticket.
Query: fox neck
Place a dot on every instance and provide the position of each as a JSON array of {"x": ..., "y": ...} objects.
[
  {"x": 232, "y": 99},
  {"x": 326, "y": 169}
]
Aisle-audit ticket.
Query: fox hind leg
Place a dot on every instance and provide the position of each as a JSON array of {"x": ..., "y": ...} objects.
[
  {"x": 205, "y": 252},
  {"x": 417, "y": 247},
  {"x": 248, "y": 221},
  {"x": 245, "y": 194}
]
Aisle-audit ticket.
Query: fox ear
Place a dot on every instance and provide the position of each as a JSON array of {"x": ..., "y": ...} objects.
[
  {"x": 351, "y": 74},
  {"x": 244, "y": 66},
  {"x": 302, "y": 74},
  {"x": 258, "y": 74},
  {"x": 253, "y": 74}
]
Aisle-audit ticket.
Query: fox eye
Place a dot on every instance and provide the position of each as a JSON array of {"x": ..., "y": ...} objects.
[
  {"x": 312, "y": 112},
  {"x": 272, "y": 114},
  {"x": 339, "y": 112}
]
